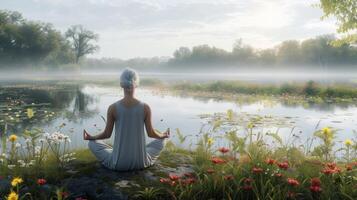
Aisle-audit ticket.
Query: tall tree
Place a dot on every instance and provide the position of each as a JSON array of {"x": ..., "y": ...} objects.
[
  {"x": 81, "y": 40},
  {"x": 345, "y": 12}
]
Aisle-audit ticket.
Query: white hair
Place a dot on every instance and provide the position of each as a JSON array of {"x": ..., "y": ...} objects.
[{"x": 129, "y": 78}]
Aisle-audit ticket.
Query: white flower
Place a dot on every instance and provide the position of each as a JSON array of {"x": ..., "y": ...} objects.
[
  {"x": 46, "y": 135},
  {"x": 17, "y": 145},
  {"x": 11, "y": 166},
  {"x": 28, "y": 140},
  {"x": 41, "y": 140}
]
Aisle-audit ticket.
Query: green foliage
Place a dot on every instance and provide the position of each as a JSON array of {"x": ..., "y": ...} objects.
[
  {"x": 81, "y": 39},
  {"x": 24, "y": 42},
  {"x": 345, "y": 11}
]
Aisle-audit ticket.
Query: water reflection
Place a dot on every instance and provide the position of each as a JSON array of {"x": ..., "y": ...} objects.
[{"x": 81, "y": 106}]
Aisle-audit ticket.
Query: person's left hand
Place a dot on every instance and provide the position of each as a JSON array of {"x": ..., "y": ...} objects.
[
  {"x": 166, "y": 134},
  {"x": 86, "y": 135}
]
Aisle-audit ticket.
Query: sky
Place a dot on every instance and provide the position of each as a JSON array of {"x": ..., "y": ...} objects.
[{"x": 149, "y": 28}]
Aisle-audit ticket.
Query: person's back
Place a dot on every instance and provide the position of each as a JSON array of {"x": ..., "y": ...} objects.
[
  {"x": 129, "y": 150},
  {"x": 129, "y": 115}
]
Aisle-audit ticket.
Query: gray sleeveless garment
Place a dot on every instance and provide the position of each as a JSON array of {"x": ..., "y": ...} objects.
[{"x": 129, "y": 151}]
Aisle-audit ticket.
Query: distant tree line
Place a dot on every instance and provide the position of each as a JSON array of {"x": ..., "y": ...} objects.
[
  {"x": 311, "y": 52},
  {"x": 25, "y": 43}
]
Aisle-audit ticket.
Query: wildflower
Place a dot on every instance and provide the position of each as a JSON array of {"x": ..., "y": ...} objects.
[
  {"x": 228, "y": 177},
  {"x": 250, "y": 125},
  {"x": 17, "y": 145},
  {"x": 16, "y": 181},
  {"x": 248, "y": 180},
  {"x": 210, "y": 141},
  {"x": 217, "y": 160},
  {"x": 223, "y": 150},
  {"x": 173, "y": 183},
  {"x": 189, "y": 181},
  {"x": 230, "y": 114},
  {"x": 257, "y": 170},
  {"x": 326, "y": 131},
  {"x": 164, "y": 180},
  {"x": 13, "y": 138},
  {"x": 278, "y": 175},
  {"x": 174, "y": 177},
  {"x": 269, "y": 161},
  {"x": 41, "y": 181},
  {"x": 247, "y": 187},
  {"x": 283, "y": 165},
  {"x": 13, "y": 196},
  {"x": 348, "y": 142},
  {"x": 30, "y": 113},
  {"x": 293, "y": 182},
  {"x": 210, "y": 171},
  {"x": 315, "y": 185},
  {"x": 331, "y": 168}
]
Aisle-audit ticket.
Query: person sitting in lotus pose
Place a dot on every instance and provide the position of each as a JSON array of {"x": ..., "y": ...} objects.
[{"x": 129, "y": 115}]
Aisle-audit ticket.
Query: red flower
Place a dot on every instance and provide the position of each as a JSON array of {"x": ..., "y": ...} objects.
[
  {"x": 223, "y": 150},
  {"x": 228, "y": 177},
  {"x": 41, "y": 181},
  {"x": 210, "y": 171},
  {"x": 217, "y": 160},
  {"x": 189, "y": 181},
  {"x": 315, "y": 182},
  {"x": 247, "y": 187},
  {"x": 331, "y": 168},
  {"x": 278, "y": 175},
  {"x": 164, "y": 180},
  {"x": 174, "y": 177},
  {"x": 257, "y": 170},
  {"x": 331, "y": 165},
  {"x": 248, "y": 181},
  {"x": 293, "y": 182},
  {"x": 269, "y": 161},
  {"x": 283, "y": 165},
  {"x": 315, "y": 189}
]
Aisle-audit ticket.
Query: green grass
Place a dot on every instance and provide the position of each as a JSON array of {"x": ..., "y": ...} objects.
[{"x": 309, "y": 89}]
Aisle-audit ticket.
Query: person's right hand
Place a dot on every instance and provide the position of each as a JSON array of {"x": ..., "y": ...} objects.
[
  {"x": 166, "y": 134},
  {"x": 86, "y": 135}
]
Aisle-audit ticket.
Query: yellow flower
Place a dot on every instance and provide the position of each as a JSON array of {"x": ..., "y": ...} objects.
[
  {"x": 348, "y": 142},
  {"x": 326, "y": 131},
  {"x": 230, "y": 114},
  {"x": 250, "y": 125},
  {"x": 13, "y": 196},
  {"x": 16, "y": 181},
  {"x": 13, "y": 138},
  {"x": 29, "y": 113},
  {"x": 210, "y": 141}
]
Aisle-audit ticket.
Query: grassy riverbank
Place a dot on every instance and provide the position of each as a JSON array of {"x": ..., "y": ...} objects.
[{"x": 308, "y": 89}]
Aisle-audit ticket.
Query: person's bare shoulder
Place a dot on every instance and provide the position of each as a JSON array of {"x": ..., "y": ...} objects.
[
  {"x": 112, "y": 110},
  {"x": 146, "y": 108}
]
